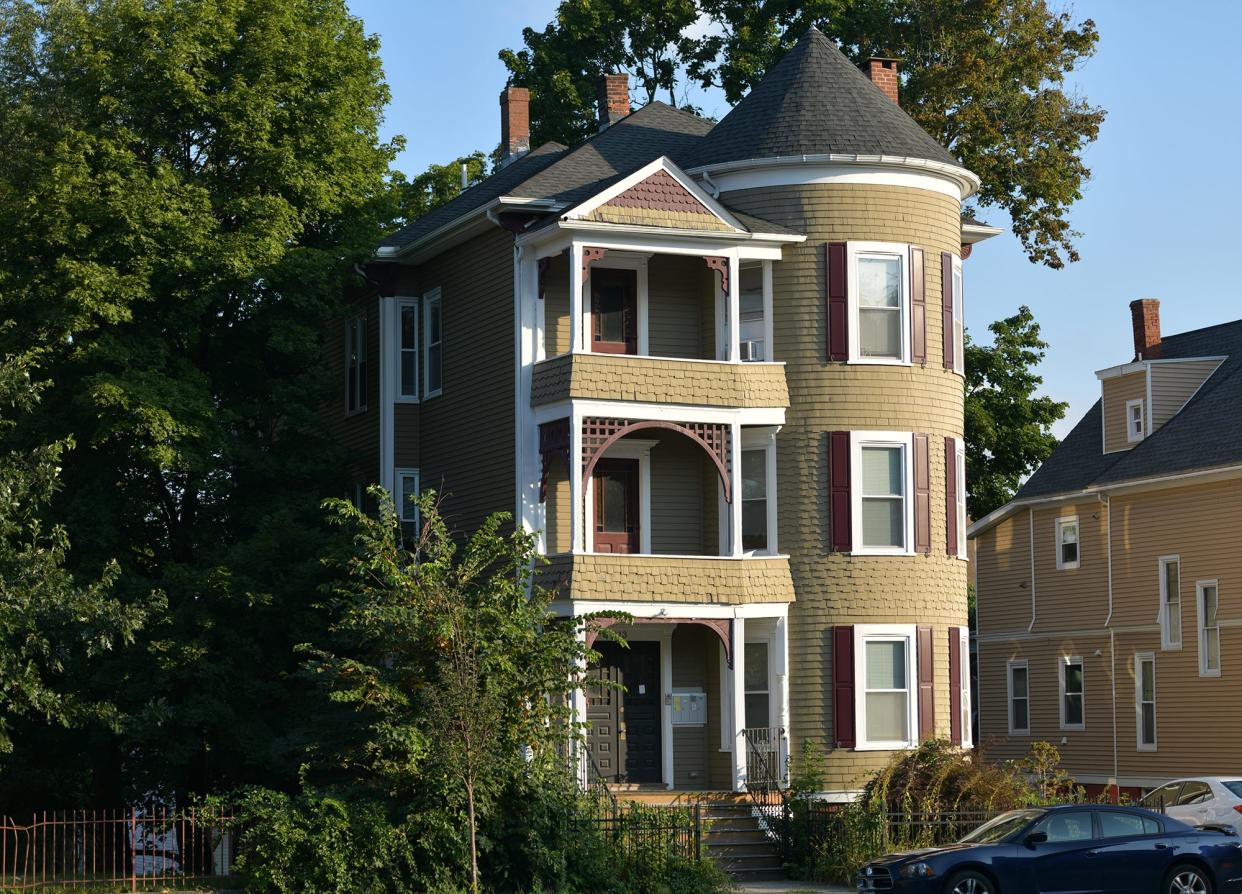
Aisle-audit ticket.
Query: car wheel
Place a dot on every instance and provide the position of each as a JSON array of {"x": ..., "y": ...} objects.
[
  {"x": 970, "y": 882},
  {"x": 1186, "y": 879}
]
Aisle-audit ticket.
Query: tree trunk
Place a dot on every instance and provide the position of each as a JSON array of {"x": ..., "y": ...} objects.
[{"x": 474, "y": 847}]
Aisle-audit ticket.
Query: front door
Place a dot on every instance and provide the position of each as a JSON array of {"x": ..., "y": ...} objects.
[
  {"x": 614, "y": 485},
  {"x": 624, "y": 737}
]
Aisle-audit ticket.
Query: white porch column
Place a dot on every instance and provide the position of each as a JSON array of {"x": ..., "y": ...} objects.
[
  {"x": 735, "y": 488},
  {"x": 576, "y": 343},
  {"x": 577, "y": 495},
  {"x": 781, "y": 668},
  {"x": 577, "y": 717},
  {"x": 737, "y": 680},
  {"x": 734, "y": 312}
]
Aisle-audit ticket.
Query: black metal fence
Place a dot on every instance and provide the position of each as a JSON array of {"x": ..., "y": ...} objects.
[{"x": 651, "y": 836}]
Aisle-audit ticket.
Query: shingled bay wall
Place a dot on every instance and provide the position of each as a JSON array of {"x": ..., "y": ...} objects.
[{"x": 835, "y": 588}]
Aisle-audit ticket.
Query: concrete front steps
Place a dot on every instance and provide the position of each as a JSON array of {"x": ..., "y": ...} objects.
[{"x": 732, "y": 833}]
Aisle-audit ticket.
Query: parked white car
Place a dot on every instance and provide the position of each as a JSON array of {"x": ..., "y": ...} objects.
[{"x": 1204, "y": 799}]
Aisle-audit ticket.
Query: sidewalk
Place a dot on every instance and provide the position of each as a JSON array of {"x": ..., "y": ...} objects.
[{"x": 790, "y": 886}]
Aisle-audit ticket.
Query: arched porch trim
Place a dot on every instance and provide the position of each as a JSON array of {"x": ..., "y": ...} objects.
[
  {"x": 722, "y": 627},
  {"x": 600, "y": 434}
]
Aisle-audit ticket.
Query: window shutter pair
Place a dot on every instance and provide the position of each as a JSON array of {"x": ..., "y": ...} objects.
[
  {"x": 948, "y": 298},
  {"x": 840, "y": 536},
  {"x": 955, "y": 684},
  {"x": 950, "y": 496},
  {"x": 836, "y": 265},
  {"x": 844, "y": 729}
]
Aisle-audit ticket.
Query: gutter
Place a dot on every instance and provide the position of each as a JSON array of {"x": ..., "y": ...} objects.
[
  {"x": 602, "y": 227},
  {"x": 968, "y": 182},
  {"x": 488, "y": 210}
]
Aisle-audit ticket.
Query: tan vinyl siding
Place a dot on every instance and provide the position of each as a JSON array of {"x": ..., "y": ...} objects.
[
  {"x": 1172, "y": 384},
  {"x": 467, "y": 433},
  {"x": 691, "y": 671},
  {"x": 833, "y": 588},
  {"x": 1116, "y": 391},
  {"x": 1071, "y": 598},
  {"x": 405, "y": 435},
  {"x": 675, "y": 287},
  {"x": 559, "y": 510},
  {"x": 1003, "y": 569},
  {"x": 556, "y": 306},
  {"x": 677, "y": 496}
]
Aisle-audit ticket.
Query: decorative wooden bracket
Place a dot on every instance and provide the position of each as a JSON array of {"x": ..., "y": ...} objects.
[
  {"x": 598, "y": 434},
  {"x": 966, "y": 249},
  {"x": 591, "y": 254},
  {"x": 721, "y": 265},
  {"x": 553, "y": 443},
  {"x": 722, "y": 627}
]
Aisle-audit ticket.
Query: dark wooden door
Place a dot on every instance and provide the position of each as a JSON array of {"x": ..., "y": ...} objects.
[
  {"x": 624, "y": 737},
  {"x": 614, "y": 311},
  {"x": 614, "y": 485}
]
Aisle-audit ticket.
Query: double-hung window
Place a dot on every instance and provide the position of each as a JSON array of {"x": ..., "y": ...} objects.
[
  {"x": 1170, "y": 602},
  {"x": 1208, "y": 593},
  {"x": 963, "y": 683},
  {"x": 356, "y": 364},
  {"x": 1072, "y": 693},
  {"x": 751, "y": 317},
  {"x": 1018, "y": 673},
  {"x": 1135, "y": 421},
  {"x": 758, "y": 701},
  {"x": 755, "y": 500},
  {"x": 1145, "y": 700},
  {"x": 959, "y": 320},
  {"x": 407, "y": 503},
  {"x": 1067, "y": 543},
  {"x": 881, "y": 466},
  {"x": 879, "y": 299},
  {"x": 407, "y": 350},
  {"x": 885, "y": 661},
  {"x": 960, "y": 495},
  {"x": 433, "y": 345}
]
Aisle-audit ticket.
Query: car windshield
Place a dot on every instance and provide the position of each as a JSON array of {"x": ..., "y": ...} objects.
[
  {"x": 1234, "y": 786},
  {"x": 1001, "y": 827}
]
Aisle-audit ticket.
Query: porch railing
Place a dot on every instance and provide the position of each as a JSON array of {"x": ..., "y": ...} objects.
[{"x": 765, "y": 783}]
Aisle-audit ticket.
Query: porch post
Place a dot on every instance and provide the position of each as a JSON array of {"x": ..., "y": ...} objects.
[
  {"x": 737, "y": 679},
  {"x": 735, "y": 312},
  {"x": 782, "y": 683},
  {"x": 575, "y": 298},
  {"x": 577, "y": 703},
  {"x": 577, "y": 488},
  {"x": 735, "y": 488}
]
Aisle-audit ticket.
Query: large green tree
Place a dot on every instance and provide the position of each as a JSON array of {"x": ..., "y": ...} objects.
[
  {"x": 184, "y": 188},
  {"x": 986, "y": 78},
  {"x": 1008, "y": 425}
]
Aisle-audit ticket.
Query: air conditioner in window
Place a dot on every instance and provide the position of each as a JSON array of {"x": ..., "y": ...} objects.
[{"x": 752, "y": 350}]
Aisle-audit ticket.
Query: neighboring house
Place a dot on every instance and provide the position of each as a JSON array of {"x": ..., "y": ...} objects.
[
  {"x": 718, "y": 369},
  {"x": 1108, "y": 587}
]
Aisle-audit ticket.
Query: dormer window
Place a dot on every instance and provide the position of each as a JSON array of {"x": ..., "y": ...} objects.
[{"x": 1136, "y": 427}]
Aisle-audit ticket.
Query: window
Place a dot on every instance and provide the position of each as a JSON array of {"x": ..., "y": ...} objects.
[
  {"x": 1194, "y": 792},
  {"x": 1019, "y": 699},
  {"x": 963, "y": 666},
  {"x": 878, "y": 301},
  {"x": 960, "y": 494},
  {"x": 356, "y": 364},
  {"x": 1134, "y": 421},
  {"x": 1209, "y": 628},
  {"x": 750, "y": 314},
  {"x": 1067, "y": 543},
  {"x": 1161, "y": 798},
  {"x": 885, "y": 662},
  {"x": 1066, "y": 825},
  {"x": 959, "y": 320},
  {"x": 1071, "y": 693},
  {"x": 433, "y": 345},
  {"x": 755, "y": 679},
  {"x": 1114, "y": 824},
  {"x": 880, "y": 465},
  {"x": 407, "y": 503},
  {"x": 1170, "y": 602},
  {"x": 755, "y": 500},
  {"x": 1145, "y": 700},
  {"x": 407, "y": 350}
]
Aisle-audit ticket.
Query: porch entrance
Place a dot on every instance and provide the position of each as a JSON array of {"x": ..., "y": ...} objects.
[{"x": 624, "y": 737}]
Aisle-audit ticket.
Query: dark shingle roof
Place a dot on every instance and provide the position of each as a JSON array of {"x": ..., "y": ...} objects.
[
  {"x": 1198, "y": 437},
  {"x": 815, "y": 101}
]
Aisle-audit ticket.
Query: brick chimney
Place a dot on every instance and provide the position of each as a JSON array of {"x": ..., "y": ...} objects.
[
  {"x": 883, "y": 73},
  {"x": 1145, "y": 316},
  {"x": 614, "y": 98},
  {"x": 514, "y": 124}
]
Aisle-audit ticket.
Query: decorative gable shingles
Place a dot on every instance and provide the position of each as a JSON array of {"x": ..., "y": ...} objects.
[{"x": 658, "y": 201}]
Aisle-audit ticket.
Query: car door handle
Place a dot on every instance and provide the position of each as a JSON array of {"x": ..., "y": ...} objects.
[
  {"x": 1162, "y": 847},
  {"x": 1092, "y": 854}
]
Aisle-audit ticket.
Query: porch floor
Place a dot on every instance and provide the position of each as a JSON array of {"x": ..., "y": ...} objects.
[{"x": 654, "y": 793}]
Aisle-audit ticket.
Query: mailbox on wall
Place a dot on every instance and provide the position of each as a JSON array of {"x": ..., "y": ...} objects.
[{"x": 689, "y": 707}]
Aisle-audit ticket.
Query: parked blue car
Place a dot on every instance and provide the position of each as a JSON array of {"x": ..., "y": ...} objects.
[{"x": 1072, "y": 849}]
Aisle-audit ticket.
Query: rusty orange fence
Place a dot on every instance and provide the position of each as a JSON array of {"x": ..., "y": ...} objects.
[{"x": 129, "y": 849}]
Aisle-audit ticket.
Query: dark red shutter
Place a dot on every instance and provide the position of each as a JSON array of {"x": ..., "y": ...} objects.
[
  {"x": 843, "y": 732},
  {"x": 950, "y": 496},
  {"x": 946, "y": 290},
  {"x": 918, "y": 307},
  {"x": 927, "y": 685},
  {"x": 839, "y": 511},
  {"x": 955, "y": 685},
  {"x": 922, "y": 495},
  {"x": 838, "y": 308}
]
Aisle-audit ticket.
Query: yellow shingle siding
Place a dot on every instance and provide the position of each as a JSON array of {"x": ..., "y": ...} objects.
[{"x": 668, "y": 579}]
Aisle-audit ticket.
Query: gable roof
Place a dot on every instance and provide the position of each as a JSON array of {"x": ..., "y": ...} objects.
[
  {"x": 815, "y": 101},
  {"x": 1199, "y": 437},
  {"x": 661, "y": 193}
]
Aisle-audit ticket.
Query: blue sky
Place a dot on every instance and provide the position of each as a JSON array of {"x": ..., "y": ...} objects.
[{"x": 1159, "y": 217}]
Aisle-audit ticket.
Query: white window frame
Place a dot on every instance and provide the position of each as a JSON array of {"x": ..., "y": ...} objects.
[
  {"x": 1010, "y": 666},
  {"x": 1061, "y": 524},
  {"x": 356, "y": 329},
  {"x": 960, "y": 474},
  {"x": 963, "y": 662},
  {"x": 904, "y": 440},
  {"x": 901, "y": 252},
  {"x": 1140, "y": 659},
  {"x": 766, "y": 271},
  {"x": 959, "y": 317},
  {"x": 1133, "y": 436},
  {"x": 765, "y": 439},
  {"x": 907, "y": 633},
  {"x": 1064, "y": 661},
  {"x": 627, "y": 448},
  {"x": 432, "y": 299},
  {"x": 1167, "y": 644},
  {"x": 404, "y": 304},
  {"x": 622, "y": 260},
  {"x": 400, "y": 476},
  {"x": 1204, "y": 670}
]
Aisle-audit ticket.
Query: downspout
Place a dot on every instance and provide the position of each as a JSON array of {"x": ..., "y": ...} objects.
[
  {"x": 1112, "y": 639},
  {"x": 1030, "y": 524},
  {"x": 712, "y": 189}
]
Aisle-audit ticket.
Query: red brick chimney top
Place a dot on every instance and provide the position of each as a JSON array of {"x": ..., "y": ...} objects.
[
  {"x": 883, "y": 73},
  {"x": 613, "y": 98},
  {"x": 514, "y": 123},
  {"x": 1145, "y": 317}
]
